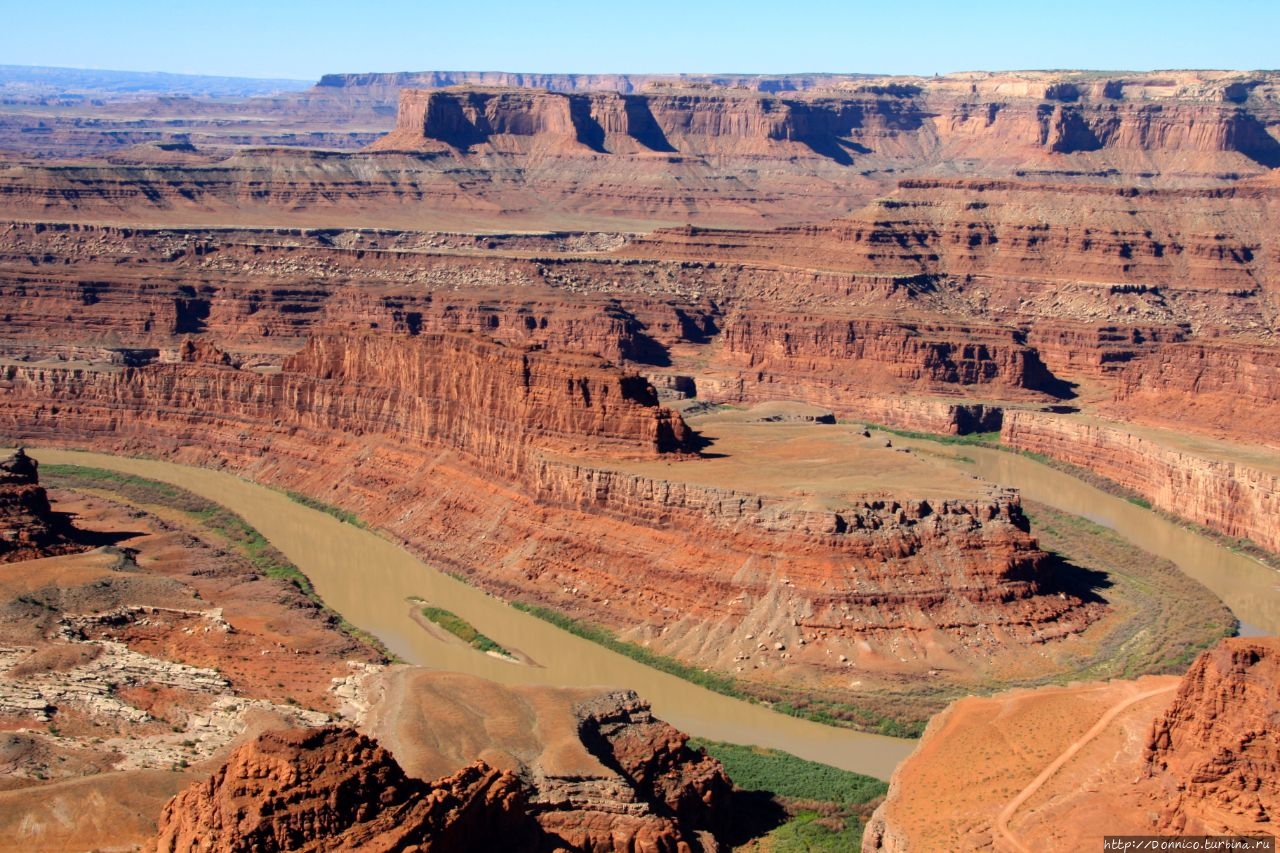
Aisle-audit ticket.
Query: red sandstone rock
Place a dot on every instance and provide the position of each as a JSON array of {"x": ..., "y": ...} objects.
[
  {"x": 950, "y": 578},
  {"x": 332, "y": 789},
  {"x": 1207, "y": 484},
  {"x": 28, "y": 526},
  {"x": 1216, "y": 751}
]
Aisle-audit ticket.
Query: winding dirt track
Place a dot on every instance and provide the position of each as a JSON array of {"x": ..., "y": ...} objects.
[{"x": 1006, "y": 814}]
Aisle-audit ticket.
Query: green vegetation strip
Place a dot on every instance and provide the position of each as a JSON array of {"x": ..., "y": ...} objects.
[
  {"x": 1169, "y": 617},
  {"x": 974, "y": 439},
  {"x": 462, "y": 629},
  {"x": 755, "y": 768},
  {"x": 328, "y": 509},
  {"x": 251, "y": 544},
  {"x": 827, "y": 807}
]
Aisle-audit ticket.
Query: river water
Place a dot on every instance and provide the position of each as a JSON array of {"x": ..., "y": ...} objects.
[
  {"x": 1249, "y": 588},
  {"x": 369, "y": 580}
]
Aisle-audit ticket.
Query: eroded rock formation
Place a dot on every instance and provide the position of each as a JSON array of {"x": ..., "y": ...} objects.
[
  {"x": 334, "y": 789},
  {"x": 1215, "y": 752},
  {"x": 435, "y": 435},
  {"x": 28, "y": 526},
  {"x": 1158, "y": 757}
]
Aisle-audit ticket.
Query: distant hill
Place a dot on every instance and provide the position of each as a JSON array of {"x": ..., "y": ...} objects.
[{"x": 24, "y": 82}]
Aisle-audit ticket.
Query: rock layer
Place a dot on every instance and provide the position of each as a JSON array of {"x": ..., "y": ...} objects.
[
  {"x": 435, "y": 436},
  {"x": 1208, "y": 484}
]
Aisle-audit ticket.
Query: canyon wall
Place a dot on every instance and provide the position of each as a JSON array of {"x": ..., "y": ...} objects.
[
  {"x": 677, "y": 152},
  {"x": 461, "y": 447},
  {"x": 850, "y": 122},
  {"x": 1234, "y": 496}
]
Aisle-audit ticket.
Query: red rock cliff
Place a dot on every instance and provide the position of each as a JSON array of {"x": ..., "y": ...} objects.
[
  {"x": 436, "y": 436},
  {"x": 1216, "y": 751},
  {"x": 1228, "y": 495}
]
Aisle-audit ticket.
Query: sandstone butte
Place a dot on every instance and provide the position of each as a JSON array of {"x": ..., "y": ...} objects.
[{"x": 479, "y": 315}]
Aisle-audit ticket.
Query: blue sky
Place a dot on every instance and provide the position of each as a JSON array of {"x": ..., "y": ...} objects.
[{"x": 302, "y": 40}]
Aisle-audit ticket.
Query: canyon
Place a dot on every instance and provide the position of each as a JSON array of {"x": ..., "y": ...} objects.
[{"x": 558, "y": 334}]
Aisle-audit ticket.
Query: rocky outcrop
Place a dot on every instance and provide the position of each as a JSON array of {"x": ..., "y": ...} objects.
[
  {"x": 1216, "y": 751},
  {"x": 682, "y": 784},
  {"x": 334, "y": 789},
  {"x": 28, "y": 526},
  {"x": 1212, "y": 486}
]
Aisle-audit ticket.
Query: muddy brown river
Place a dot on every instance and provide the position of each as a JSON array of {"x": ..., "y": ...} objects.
[
  {"x": 1249, "y": 588},
  {"x": 369, "y": 580}
]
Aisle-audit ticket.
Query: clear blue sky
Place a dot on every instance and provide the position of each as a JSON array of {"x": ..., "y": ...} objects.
[{"x": 302, "y": 40}]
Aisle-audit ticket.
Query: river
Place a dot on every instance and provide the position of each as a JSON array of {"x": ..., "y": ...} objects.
[
  {"x": 369, "y": 580},
  {"x": 1249, "y": 588}
]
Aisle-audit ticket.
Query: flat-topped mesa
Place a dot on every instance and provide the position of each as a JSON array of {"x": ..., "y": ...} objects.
[
  {"x": 524, "y": 121},
  {"x": 1216, "y": 751},
  {"x": 902, "y": 120}
]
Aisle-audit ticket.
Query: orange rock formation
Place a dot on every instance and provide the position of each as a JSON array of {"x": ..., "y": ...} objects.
[
  {"x": 1215, "y": 753},
  {"x": 335, "y": 789}
]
